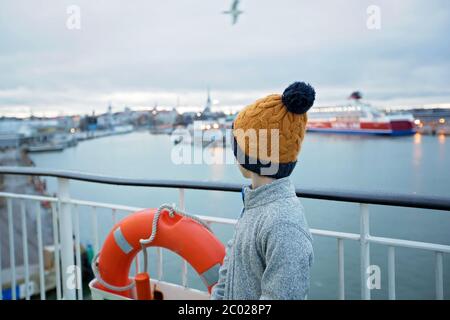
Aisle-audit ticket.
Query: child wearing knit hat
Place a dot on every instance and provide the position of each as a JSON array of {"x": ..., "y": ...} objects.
[{"x": 271, "y": 253}]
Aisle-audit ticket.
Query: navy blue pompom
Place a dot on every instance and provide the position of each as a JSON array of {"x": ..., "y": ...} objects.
[{"x": 299, "y": 97}]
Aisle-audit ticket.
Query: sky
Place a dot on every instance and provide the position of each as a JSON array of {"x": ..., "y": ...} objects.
[{"x": 143, "y": 53}]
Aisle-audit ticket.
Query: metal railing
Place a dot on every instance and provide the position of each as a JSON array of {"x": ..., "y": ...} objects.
[{"x": 65, "y": 218}]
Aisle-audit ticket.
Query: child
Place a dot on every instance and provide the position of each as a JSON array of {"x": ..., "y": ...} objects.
[{"x": 271, "y": 252}]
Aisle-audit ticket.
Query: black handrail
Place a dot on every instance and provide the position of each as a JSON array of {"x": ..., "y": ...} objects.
[{"x": 378, "y": 198}]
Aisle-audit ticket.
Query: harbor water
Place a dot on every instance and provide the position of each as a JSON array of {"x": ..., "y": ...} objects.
[{"x": 413, "y": 165}]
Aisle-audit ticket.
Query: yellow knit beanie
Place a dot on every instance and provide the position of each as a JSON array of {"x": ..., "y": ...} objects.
[{"x": 268, "y": 134}]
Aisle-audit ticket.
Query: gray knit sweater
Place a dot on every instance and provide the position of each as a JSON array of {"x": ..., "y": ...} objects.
[{"x": 270, "y": 254}]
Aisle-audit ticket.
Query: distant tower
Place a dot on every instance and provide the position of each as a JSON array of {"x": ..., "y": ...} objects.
[
  {"x": 110, "y": 116},
  {"x": 208, "y": 105}
]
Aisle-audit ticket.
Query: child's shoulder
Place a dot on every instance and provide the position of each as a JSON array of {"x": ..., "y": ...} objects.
[{"x": 289, "y": 211}]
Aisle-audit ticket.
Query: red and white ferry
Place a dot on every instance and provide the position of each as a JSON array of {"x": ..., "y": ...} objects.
[{"x": 359, "y": 118}]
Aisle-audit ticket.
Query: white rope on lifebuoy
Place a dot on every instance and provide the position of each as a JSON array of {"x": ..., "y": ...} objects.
[{"x": 94, "y": 266}]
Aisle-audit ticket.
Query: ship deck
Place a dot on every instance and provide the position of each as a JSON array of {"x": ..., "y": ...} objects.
[{"x": 68, "y": 248}]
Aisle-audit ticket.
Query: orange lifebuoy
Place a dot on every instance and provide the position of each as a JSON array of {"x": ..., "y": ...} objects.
[{"x": 180, "y": 234}]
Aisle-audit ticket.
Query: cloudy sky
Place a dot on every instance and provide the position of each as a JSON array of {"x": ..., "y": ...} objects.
[{"x": 146, "y": 52}]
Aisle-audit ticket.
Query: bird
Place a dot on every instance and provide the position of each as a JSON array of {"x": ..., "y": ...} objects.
[{"x": 234, "y": 11}]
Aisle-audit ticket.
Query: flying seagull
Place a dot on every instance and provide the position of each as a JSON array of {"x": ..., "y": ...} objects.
[{"x": 234, "y": 11}]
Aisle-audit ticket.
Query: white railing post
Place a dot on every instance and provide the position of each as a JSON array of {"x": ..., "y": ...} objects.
[
  {"x": 94, "y": 222},
  {"x": 79, "y": 273},
  {"x": 184, "y": 274},
  {"x": 114, "y": 216},
  {"x": 12, "y": 257},
  {"x": 391, "y": 272},
  {"x": 26, "y": 266},
  {"x": 40, "y": 251},
  {"x": 159, "y": 263},
  {"x": 439, "y": 276},
  {"x": 136, "y": 264},
  {"x": 341, "y": 269},
  {"x": 181, "y": 198},
  {"x": 66, "y": 234},
  {"x": 365, "y": 250},
  {"x": 184, "y": 270},
  {"x": 57, "y": 246}
]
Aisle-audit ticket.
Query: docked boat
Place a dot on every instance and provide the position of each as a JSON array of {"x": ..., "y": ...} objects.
[
  {"x": 46, "y": 147},
  {"x": 359, "y": 118}
]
